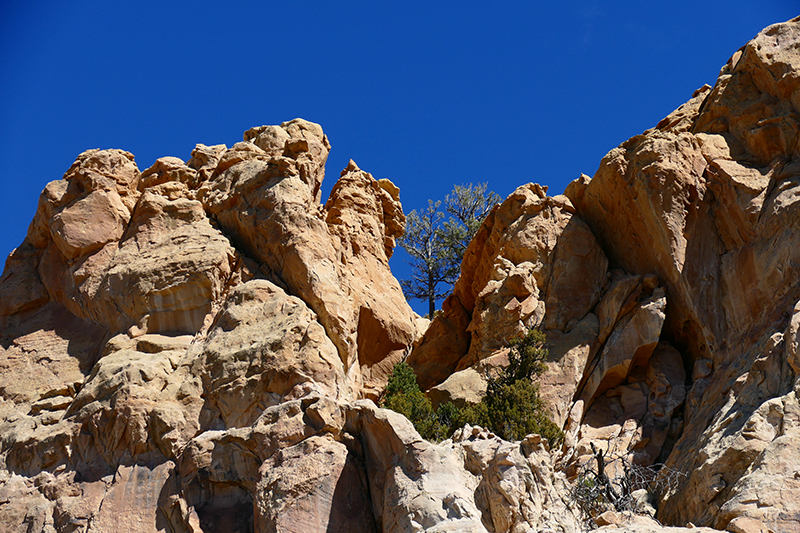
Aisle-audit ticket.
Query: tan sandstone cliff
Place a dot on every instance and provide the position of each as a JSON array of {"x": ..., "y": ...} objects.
[{"x": 197, "y": 346}]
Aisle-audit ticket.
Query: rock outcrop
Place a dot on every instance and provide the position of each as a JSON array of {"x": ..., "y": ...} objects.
[
  {"x": 679, "y": 354},
  {"x": 531, "y": 250},
  {"x": 706, "y": 204},
  {"x": 265, "y": 194},
  {"x": 147, "y": 314},
  {"x": 198, "y": 347}
]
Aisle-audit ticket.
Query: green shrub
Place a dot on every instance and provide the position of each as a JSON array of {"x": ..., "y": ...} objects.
[
  {"x": 404, "y": 396},
  {"x": 512, "y": 412},
  {"x": 525, "y": 359},
  {"x": 511, "y": 408},
  {"x": 403, "y": 380}
]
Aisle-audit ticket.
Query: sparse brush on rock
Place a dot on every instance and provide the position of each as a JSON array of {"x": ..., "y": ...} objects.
[
  {"x": 512, "y": 407},
  {"x": 611, "y": 482}
]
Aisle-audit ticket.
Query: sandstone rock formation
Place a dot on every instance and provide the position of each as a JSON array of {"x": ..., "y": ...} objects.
[
  {"x": 683, "y": 356},
  {"x": 147, "y": 310},
  {"x": 197, "y": 347},
  {"x": 706, "y": 204},
  {"x": 510, "y": 270},
  {"x": 265, "y": 194}
]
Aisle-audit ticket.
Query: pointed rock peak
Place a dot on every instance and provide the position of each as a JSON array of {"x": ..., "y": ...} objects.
[
  {"x": 351, "y": 167},
  {"x": 706, "y": 88}
]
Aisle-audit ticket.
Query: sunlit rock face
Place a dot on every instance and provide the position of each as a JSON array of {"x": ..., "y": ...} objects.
[
  {"x": 685, "y": 352},
  {"x": 145, "y": 309},
  {"x": 198, "y": 346},
  {"x": 706, "y": 201}
]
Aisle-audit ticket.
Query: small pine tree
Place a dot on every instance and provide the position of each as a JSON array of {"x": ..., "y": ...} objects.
[
  {"x": 513, "y": 411},
  {"x": 525, "y": 358}
]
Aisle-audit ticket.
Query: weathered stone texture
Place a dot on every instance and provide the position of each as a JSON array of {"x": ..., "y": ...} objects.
[
  {"x": 151, "y": 318},
  {"x": 197, "y": 347}
]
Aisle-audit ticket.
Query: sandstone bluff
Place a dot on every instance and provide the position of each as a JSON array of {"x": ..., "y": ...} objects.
[{"x": 196, "y": 347}]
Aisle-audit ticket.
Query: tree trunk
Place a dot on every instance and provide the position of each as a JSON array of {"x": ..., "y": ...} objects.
[{"x": 431, "y": 296}]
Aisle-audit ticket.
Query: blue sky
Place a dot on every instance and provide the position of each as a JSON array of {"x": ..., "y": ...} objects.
[{"x": 427, "y": 94}]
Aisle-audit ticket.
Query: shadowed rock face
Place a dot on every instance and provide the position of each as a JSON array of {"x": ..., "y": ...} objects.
[{"x": 195, "y": 347}]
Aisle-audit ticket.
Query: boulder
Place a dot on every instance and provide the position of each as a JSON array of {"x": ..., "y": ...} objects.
[
  {"x": 46, "y": 352},
  {"x": 629, "y": 346},
  {"x": 461, "y": 388},
  {"x": 138, "y": 400},
  {"x": 90, "y": 206},
  {"x": 316, "y": 464},
  {"x": 153, "y": 279},
  {"x": 20, "y": 286},
  {"x": 315, "y": 485},
  {"x": 518, "y": 489},
  {"x": 568, "y": 355},
  {"x": 646, "y": 206},
  {"x": 127, "y": 502}
]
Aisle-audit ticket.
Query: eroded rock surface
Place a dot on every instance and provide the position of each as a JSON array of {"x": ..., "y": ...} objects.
[
  {"x": 530, "y": 253},
  {"x": 150, "y": 317},
  {"x": 684, "y": 356},
  {"x": 265, "y": 193},
  {"x": 705, "y": 202},
  {"x": 196, "y": 347}
]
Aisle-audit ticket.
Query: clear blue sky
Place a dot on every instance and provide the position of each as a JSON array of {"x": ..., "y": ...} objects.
[{"x": 427, "y": 94}]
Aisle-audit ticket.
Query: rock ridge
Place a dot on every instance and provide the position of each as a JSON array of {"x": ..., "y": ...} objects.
[{"x": 199, "y": 346}]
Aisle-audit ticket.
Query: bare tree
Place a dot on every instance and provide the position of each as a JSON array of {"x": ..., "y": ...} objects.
[{"x": 615, "y": 483}]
